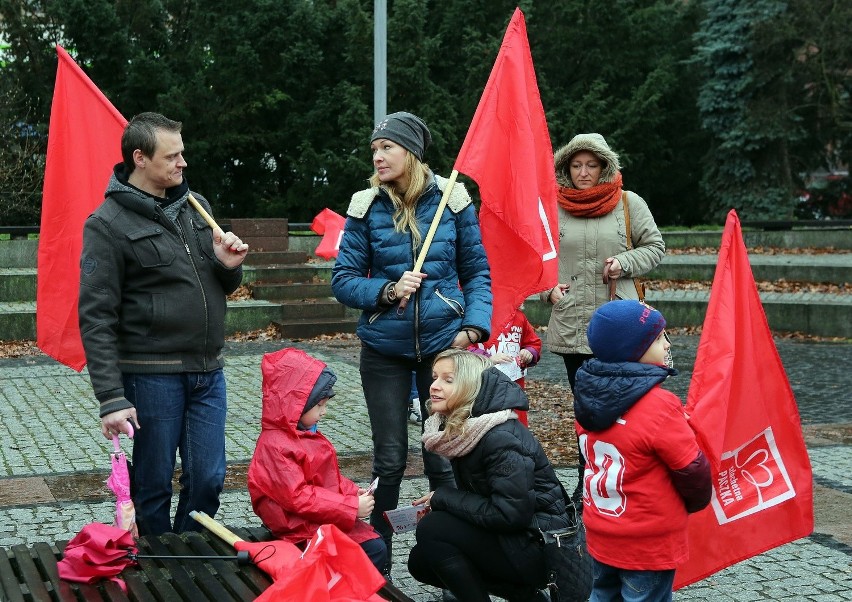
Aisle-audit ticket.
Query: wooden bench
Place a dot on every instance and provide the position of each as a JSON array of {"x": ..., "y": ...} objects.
[{"x": 29, "y": 573}]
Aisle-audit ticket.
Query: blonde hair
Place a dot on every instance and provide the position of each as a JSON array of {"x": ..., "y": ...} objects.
[
  {"x": 405, "y": 201},
  {"x": 468, "y": 369}
]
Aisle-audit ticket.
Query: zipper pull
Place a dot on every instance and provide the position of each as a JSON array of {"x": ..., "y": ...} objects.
[{"x": 186, "y": 246}]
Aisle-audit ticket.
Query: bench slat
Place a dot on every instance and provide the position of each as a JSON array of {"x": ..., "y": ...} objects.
[
  {"x": 47, "y": 557},
  {"x": 157, "y": 581},
  {"x": 204, "y": 574},
  {"x": 10, "y": 586},
  {"x": 137, "y": 585},
  {"x": 228, "y": 571},
  {"x": 255, "y": 578},
  {"x": 181, "y": 579},
  {"x": 30, "y": 574},
  {"x": 113, "y": 592}
]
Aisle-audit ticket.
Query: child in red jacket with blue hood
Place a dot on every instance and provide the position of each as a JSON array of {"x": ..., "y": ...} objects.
[
  {"x": 644, "y": 471},
  {"x": 294, "y": 479}
]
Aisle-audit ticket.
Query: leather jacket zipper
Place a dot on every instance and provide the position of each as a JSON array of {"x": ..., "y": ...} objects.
[{"x": 203, "y": 294}]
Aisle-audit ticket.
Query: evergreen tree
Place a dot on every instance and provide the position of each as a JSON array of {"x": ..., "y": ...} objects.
[
  {"x": 745, "y": 105},
  {"x": 276, "y": 95},
  {"x": 620, "y": 70}
]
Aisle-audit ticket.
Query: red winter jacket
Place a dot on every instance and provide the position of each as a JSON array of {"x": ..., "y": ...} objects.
[{"x": 294, "y": 479}]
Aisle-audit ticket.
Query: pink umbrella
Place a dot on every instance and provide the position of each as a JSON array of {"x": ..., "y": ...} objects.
[
  {"x": 119, "y": 482},
  {"x": 101, "y": 551},
  {"x": 97, "y": 552}
]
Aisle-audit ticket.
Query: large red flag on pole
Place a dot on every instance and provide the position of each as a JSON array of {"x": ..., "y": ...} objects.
[
  {"x": 507, "y": 151},
  {"x": 745, "y": 416},
  {"x": 82, "y": 146}
]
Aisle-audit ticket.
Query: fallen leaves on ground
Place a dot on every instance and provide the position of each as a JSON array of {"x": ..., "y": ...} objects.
[
  {"x": 270, "y": 333},
  {"x": 760, "y": 250},
  {"x": 11, "y": 349},
  {"x": 241, "y": 294},
  {"x": 764, "y": 286},
  {"x": 551, "y": 420}
]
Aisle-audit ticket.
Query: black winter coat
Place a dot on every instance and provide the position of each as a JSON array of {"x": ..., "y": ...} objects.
[
  {"x": 506, "y": 483},
  {"x": 152, "y": 293}
]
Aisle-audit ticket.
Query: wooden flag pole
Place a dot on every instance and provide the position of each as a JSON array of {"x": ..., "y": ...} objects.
[
  {"x": 207, "y": 217},
  {"x": 421, "y": 257},
  {"x": 216, "y": 528}
]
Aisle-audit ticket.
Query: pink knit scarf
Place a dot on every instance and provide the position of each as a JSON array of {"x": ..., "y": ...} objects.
[{"x": 437, "y": 441}]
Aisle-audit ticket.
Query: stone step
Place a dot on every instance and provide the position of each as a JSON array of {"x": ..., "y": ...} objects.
[
  {"x": 23, "y": 253},
  {"x": 828, "y": 268},
  {"x": 261, "y": 258},
  {"x": 274, "y": 291},
  {"x": 263, "y": 235},
  {"x": 307, "y": 329},
  {"x": 326, "y": 308},
  {"x": 17, "y": 284},
  {"x": 817, "y": 238},
  {"x": 267, "y": 243},
  {"x": 18, "y": 319},
  {"x": 306, "y": 272},
  {"x": 817, "y": 314},
  {"x": 249, "y": 228}
]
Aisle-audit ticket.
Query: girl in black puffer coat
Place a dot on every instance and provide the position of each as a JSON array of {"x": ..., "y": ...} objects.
[{"x": 483, "y": 537}]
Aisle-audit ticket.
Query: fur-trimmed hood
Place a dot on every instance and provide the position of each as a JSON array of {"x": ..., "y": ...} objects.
[
  {"x": 361, "y": 200},
  {"x": 594, "y": 143}
]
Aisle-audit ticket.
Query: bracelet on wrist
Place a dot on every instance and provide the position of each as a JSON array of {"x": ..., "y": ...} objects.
[{"x": 467, "y": 331}]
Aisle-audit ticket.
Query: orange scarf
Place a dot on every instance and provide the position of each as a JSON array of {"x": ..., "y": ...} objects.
[{"x": 591, "y": 202}]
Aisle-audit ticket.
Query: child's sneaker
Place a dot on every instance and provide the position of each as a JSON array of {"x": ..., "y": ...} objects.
[{"x": 414, "y": 412}]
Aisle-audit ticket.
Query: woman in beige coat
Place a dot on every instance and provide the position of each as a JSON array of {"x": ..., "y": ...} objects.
[{"x": 593, "y": 245}]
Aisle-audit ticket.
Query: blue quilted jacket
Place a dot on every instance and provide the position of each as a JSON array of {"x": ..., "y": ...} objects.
[{"x": 455, "y": 294}]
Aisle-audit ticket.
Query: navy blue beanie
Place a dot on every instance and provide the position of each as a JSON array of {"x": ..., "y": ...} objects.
[{"x": 622, "y": 330}]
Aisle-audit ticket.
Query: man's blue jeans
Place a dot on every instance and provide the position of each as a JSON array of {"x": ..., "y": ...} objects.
[
  {"x": 182, "y": 413},
  {"x": 387, "y": 385},
  {"x": 612, "y": 584}
]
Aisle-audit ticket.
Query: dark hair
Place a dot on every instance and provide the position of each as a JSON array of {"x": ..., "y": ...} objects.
[{"x": 141, "y": 133}]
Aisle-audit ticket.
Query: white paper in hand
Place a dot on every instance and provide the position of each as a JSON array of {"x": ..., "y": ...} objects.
[
  {"x": 510, "y": 369},
  {"x": 405, "y": 518}
]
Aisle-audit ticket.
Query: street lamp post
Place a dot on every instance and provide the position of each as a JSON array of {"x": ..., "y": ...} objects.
[{"x": 380, "y": 60}]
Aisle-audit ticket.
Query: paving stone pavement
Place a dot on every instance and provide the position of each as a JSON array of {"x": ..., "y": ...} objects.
[{"x": 49, "y": 429}]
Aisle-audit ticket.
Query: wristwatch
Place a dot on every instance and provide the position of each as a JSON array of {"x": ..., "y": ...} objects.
[{"x": 392, "y": 293}]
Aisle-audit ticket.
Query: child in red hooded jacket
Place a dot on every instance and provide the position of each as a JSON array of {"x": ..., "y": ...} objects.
[
  {"x": 516, "y": 343},
  {"x": 294, "y": 479}
]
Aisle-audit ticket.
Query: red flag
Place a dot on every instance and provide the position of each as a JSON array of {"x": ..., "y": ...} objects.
[
  {"x": 84, "y": 142},
  {"x": 507, "y": 151},
  {"x": 329, "y": 225},
  {"x": 744, "y": 413}
]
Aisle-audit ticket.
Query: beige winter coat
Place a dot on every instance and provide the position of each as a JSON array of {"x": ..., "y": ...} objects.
[{"x": 584, "y": 245}]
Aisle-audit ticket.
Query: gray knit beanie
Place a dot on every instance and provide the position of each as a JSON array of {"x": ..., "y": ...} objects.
[
  {"x": 405, "y": 129},
  {"x": 594, "y": 143}
]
